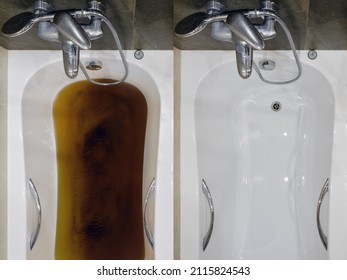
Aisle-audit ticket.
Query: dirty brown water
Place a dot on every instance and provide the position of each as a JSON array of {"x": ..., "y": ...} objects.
[{"x": 100, "y": 135}]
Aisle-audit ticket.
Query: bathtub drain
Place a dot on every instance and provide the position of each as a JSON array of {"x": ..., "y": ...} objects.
[
  {"x": 267, "y": 65},
  {"x": 94, "y": 65},
  {"x": 276, "y": 106}
]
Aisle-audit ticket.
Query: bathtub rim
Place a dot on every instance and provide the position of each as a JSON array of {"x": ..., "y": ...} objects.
[
  {"x": 331, "y": 64},
  {"x": 159, "y": 66}
]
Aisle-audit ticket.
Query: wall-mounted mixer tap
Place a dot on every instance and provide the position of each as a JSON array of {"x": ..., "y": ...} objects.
[
  {"x": 234, "y": 26},
  {"x": 62, "y": 26},
  {"x": 72, "y": 37}
]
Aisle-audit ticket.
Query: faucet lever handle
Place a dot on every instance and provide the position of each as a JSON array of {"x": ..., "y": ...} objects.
[{"x": 69, "y": 28}]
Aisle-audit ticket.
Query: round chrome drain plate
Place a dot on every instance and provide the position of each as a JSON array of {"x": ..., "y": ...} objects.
[{"x": 276, "y": 106}]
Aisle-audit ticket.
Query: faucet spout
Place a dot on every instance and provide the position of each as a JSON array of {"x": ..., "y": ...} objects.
[
  {"x": 72, "y": 36},
  {"x": 244, "y": 58},
  {"x": 246, "y": 37},
  {"x": 71, "y": 54}
]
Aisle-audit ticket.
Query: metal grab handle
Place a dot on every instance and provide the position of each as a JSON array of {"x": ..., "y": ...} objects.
[
  {"x": 208, "y": 196},
  {"x": 36, "y": 197},
  {"x": 322, "y": 236},
  {"x": 146, "y": 226}
]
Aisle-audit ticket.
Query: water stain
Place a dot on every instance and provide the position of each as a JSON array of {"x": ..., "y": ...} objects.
[{"x": 100, "y": 134}]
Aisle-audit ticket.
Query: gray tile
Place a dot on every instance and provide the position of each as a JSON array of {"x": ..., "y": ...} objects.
[
  {"x": 149, "y": 24},
  {"x": 293, "y": 13},
  {"x": 145, "y": 24},
  {"x": 202, "y": 40},
  {"x": 153, "y": 25}
]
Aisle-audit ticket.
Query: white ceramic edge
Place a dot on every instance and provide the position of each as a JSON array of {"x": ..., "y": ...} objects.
[
  {"x": 21, "y": 66},
  {"x": 195, "y": 64}
]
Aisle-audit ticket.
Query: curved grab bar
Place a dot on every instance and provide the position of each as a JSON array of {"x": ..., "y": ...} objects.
[
  {"x": 149, "y": 235},
  {"x": 322, "y": 236},
  {"x": 208, "y": 196},
  {"x": 36, "y": 197}
]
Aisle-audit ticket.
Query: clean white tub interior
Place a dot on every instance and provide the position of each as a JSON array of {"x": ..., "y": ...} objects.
[
  {"x": 265, "y": 169},
  {"x": 212, "y": 92},
  {"x": 31, "y": 94}
]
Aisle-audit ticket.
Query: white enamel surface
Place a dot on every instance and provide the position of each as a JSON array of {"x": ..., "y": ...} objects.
[
  {"x": 35, "y": 77},
  {"x": 265, "y": 169}
]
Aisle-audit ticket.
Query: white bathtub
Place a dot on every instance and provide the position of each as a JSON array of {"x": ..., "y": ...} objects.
[
  {"x": 251, "y": 177},
  {"x": 35, "y": 78}
]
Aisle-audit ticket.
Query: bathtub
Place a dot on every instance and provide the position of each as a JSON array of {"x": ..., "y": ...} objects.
[
  {"x": 263, "y": 166},
  {"x": 35, "y": 78}
]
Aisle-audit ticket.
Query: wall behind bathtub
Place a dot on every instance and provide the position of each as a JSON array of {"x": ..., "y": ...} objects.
[
  {"x": 314, "y": 24},
  {"x": 139, "y": 24},
  {"x": 3, "y": 153}
]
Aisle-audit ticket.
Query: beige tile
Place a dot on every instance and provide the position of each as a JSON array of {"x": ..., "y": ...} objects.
[{"x": 3, "y": 153}]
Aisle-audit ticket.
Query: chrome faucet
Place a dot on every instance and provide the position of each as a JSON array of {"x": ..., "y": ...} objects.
[
  {"x": 61, "y": 26},
  {"x": 72, "y": 36},
  {"x": 234, "y": 26}
]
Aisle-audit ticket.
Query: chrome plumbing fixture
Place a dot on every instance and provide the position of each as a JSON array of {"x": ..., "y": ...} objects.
[
  {"x": 94, "y": 65},
  {"x": 322, "y": 235},
  {"x": 267, "y": 64},
  {"x": 312, "y": 54},
  {"x": 236, "y": 26},
  {"x": 276, "y": 106},
  {"x": 208, "y": 195},
  {"x": 62, "y": 26},
  {"x": 138, "y": 54}
]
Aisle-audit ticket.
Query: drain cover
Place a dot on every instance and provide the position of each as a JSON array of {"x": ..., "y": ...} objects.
[
  {"x": 267, "y": 64},
  {"x": 276, "y": 106}
]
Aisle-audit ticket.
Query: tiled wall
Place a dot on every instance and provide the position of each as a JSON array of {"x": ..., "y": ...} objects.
[
  {"x": 315, "y": 24},
  {"x": 149, "y": 24},
  {"x": 3, "y": 145},
  {"x": 140, "y": 24}
]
